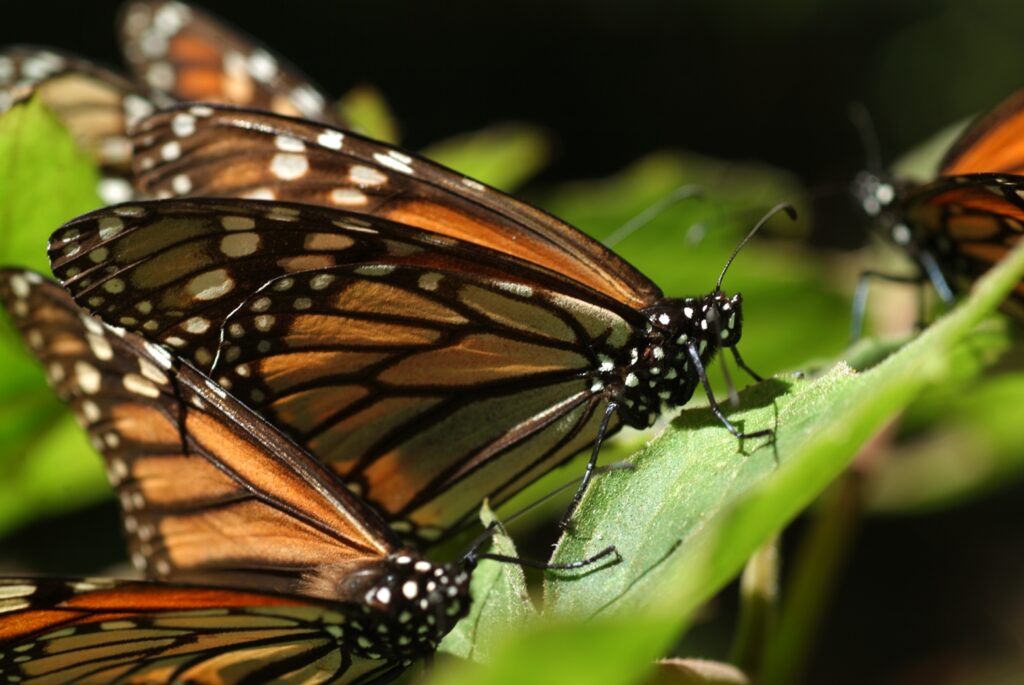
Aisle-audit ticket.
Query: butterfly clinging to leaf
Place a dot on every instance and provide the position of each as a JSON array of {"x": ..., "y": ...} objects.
[
  {"x": 432, "y": 339},
  {"x": 956, "y": 226}
]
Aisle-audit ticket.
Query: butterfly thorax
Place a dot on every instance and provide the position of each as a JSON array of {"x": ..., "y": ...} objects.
[
  {"x": 659, "y": 370},
  {"x": 408, "y": 604}
]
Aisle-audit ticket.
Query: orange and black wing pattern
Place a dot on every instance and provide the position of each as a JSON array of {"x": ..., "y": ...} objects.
[
  {"x": 208, "y": 491},
  {"x": 427, "y": 372},
  {"x": 968, "y": 223},
  {"x": 106, "y": 632},
  {"x": 225, "y": 152},
  {"x": 994, "y": 143},
  {"x": 181, "y": 50},
  {"x": 972, "y": 214}
]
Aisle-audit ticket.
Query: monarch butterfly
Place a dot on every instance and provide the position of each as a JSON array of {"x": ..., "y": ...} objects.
[
  {"x": 98, "y": 631},
  {"x": 177, "y": 52},
  {"x": 442, "y": 344},
  {"x": 250, "y": 509},
  {"x": 210, "y": 493},
  {"x": 321, "y": 590},
  {"x": 957, "y": 226}
]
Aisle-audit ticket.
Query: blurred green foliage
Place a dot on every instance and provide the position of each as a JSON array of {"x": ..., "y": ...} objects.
[{"x": 46, "y": 463}]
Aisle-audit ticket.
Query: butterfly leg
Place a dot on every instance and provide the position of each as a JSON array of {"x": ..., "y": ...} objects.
[
  {"x": 743, "y": 365},
  {"x": 860, "y": 296},
  {"x": 698, "y": 367},
  {"x": 549, "y": 566},
  {"x": 588, "y": 474},
  {"x": 936, "y": 277},
  {"x": 472, "y": 556}
]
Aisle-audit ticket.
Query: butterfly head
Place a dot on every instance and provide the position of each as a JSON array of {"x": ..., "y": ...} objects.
[
  {"x": 410, "y": 604},
  {"x": 879, "y": 196},
  {"x": 873, "y": 193},
  {"x": 722, "y": 319}
]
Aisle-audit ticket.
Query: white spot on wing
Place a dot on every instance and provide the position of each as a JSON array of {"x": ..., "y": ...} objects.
[
  {"x": 395, "y": 161},
  {"x": 289, "y": 166},
  {"x": 332, "y": 140}
]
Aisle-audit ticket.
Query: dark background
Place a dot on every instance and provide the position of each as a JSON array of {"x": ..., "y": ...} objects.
[{"x": 612, "y": 81}]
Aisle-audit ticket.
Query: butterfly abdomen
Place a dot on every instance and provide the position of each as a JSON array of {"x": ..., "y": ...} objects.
[{"x": 409, "y": 605}]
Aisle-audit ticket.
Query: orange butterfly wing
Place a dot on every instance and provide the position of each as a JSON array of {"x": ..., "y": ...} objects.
[
  {"x": 105, "y": 632},
  {"x": 969, "y": 222},
  {"x": 184, "y": 51},
  {"x": 222, "y": 152},
  {"x": 208, "y": 491},
  {"x": 431, "y": 377},
  {"x": 994, "y": 143}
]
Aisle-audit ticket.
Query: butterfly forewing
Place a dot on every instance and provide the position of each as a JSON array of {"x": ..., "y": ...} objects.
[
  {"x": 423, "y": 375},
  {"x": 105, "y": 632},
  {"x": 208, "y": 491},
  {"x": 994, "y": 143},
  {"x": 181, "y": 50},
  {"x": 216, "y": 151}
]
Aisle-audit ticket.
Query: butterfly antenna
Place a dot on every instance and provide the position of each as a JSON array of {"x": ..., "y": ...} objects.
[
  {"x": 683, "y": 192},
  {"x": 789, "y": 209},
  {"x": 861, "y": 119}
]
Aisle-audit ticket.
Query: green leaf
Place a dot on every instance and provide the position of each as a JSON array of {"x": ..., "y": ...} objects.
[
  {"x": 694, "y": 509},
  {"x": 973, "y": 447},
  {"x": 500, "y": 601},
  {"x": 45, "y": 459},
  {"x": 503, "y": 155},
  {"x": 619, "y": 651},
  {"x": 44, "y": 181},
  {"x": 367, "y": 111}
]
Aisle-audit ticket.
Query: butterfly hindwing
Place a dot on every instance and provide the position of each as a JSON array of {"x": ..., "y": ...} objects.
[
  {"x": 106, "y": 632},
  {"x": 969, "y": 222}
]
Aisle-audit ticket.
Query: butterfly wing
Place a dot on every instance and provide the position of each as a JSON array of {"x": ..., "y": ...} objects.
[
  {"x": 428, "y": 371},
  {"x": 968, "y": 222},
  {"x": 105, "y": 632},
  {"x": 235, "y": 153},
  {"x": 96, "y": 106},
  {"x": 992, "y": 144},
  {"x": 181, "y": 50},
  {"x": 208, "y": 491}
]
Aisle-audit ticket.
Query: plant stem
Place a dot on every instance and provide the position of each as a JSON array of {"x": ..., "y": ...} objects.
[
  {"x": 815, "y": 573},
  {"x": 759, "y": 591}
]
